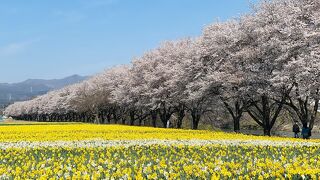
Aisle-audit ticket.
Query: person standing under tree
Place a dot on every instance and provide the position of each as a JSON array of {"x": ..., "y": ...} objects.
[
  {"x": 296, "y": 129},
  {"x": 306, "y": 132}
]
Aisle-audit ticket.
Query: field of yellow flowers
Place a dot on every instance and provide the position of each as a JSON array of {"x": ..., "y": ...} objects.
[{"x": 87, "y": 151}]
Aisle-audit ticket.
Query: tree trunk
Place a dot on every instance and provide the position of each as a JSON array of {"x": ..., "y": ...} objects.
[
  {"x": 179, "y": 123},
  {"x": 266, "y": 115},
  {"x": 181, "y": 114},
  {"x": 132, "y": 117},
  {"x": 306, "y": 116},
  {"x": 123, "y": 120},
  {"x": 195, "y": 119},
  {"x": 96, "y": 119},
  {"x": 103, "y": 118},
  {"x": 236, "y": 114},
  {"x": 236, "y": 124},
  {"x": 115, "y": 116},
  {"x": 165, "y": 115},
  {"x": 195, "y": 123},
  {"x": 109, "y": 117},
  {"x": 163, "y": 120},
  {"x": 154, "y": 118},
  {"x": 263, "y": 115},
  {"x": 267, "y": 131},
  {"x": 140, "y": 121}
]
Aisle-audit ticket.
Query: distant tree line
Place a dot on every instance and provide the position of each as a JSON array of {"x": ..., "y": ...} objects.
[{"x": 257, "y": 64}]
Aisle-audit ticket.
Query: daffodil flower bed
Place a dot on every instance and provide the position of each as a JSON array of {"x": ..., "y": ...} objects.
[{"x": 83, "y": 151}]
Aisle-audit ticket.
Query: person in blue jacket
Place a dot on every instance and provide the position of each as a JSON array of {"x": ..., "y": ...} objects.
[{"x": 306, "y": 132}]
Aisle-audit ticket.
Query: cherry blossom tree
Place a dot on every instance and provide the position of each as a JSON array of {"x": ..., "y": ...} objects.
[
  {"x": 301, "y": 52},
  {"x": 257, "y": 64}
]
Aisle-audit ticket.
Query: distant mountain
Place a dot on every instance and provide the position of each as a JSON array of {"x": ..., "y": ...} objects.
[{"x": 33, "y": 87}]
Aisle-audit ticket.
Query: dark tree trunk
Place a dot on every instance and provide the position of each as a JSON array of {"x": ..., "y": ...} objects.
[
  {"x": 165, "y": 117},
  {"x": 132, "y": 117},
  {"x": 165, "y": 114},
  {"x": 236, "y": 124},
  {"x": 267, "y": 131},
  {"x": 236, "y": 114},
  {"x": 115, "y": 116},
  {"x": 306, "y": 115},
  {"x": 123, "y": 120},
  {"x": 103, "y": 118},
  {"x": 196, "y": 115},
  {"x": 181, "y": 114},
  {"x": 153, "y": 114},
  {"x": 96, "y": 118},
  {"x": 164, "y": 120},
  {"x": 109, "y": 117},
  {"x": 263, "y": 115},
  {"x": 266, "y": 115}
]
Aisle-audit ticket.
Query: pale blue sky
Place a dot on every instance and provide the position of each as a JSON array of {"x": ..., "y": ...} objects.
[{"x": 57, "y": 38}]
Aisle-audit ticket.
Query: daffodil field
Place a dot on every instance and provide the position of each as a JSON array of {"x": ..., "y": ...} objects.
[{"x": 87, "y": 151}]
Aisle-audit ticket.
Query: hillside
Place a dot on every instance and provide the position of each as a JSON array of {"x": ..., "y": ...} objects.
[{"x": 33, "y": 87}]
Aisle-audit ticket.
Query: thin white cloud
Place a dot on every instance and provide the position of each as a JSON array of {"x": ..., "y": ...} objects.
[{"x": 16, "y": 47}]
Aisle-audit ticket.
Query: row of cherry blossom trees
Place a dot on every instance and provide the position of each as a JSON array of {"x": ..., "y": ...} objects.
[{"x": 258, "y": 64}]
